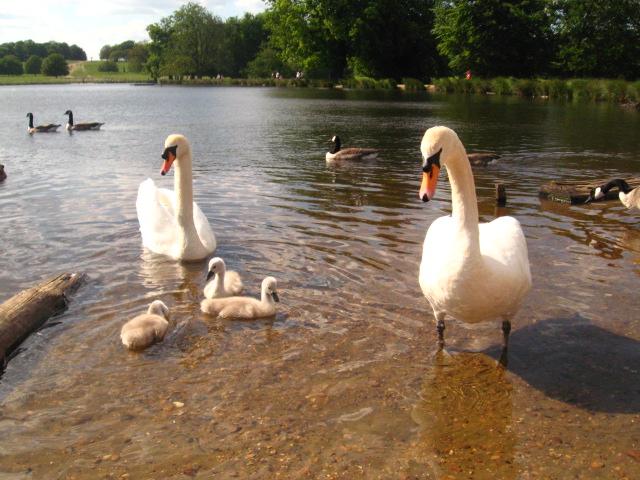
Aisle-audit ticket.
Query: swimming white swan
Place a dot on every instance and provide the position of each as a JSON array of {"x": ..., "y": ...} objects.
[
  {"x": 81, "y": 126},
  {"x": 146, "y": 329},
  {"x": 629, "y": 197},
  {"x": 472, "y": 272},
  {"x": 225, "y": 283},
  {"x": 49, "y": 128},
  {"x": 338, "y": 153},
  {"x": 170, "y": 221},
  {"x": 245, "y": 308}
]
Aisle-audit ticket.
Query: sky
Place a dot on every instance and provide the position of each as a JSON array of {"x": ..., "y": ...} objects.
[{"x": 91, "y": 24}]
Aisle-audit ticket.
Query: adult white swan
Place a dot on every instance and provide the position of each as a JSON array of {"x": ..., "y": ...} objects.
[
  {"x": 170, "y": 222},
  {"x": 472, "y": 272}
]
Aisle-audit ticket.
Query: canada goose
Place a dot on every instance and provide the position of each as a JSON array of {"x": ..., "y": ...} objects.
[
  {"x": 244, "y": 308},
  {"x": 338, "y": 153},
  {"x": 52, "y": 127},
  {"x": 171, "y": 223},
  {"x": 220, "y": 281},
  {"x": 470, "y": 271},
  {"x": 146, "y": 329},
  {"x": 81, "y": 126},
  {"x": 629, "y": 197},
  {"x": 482, "y": 159},
  {"x": 3, "y": 174}
]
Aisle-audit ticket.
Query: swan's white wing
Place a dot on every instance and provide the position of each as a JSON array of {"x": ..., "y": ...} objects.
[
  {"x": 203, "y": 228},
  {"x": 503, "y": 241},
  {"x": 158, "y": 224}
]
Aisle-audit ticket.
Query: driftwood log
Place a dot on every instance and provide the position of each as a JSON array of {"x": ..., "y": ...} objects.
[
  {"x": 28, "y": 310},
  {"x": 3, "y": 175},
  {"x": 577, "y": 191},
  {"x": 501, "y": 195}
]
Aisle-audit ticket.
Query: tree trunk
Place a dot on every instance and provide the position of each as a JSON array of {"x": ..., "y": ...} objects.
[{"x": 28, "y": 310}]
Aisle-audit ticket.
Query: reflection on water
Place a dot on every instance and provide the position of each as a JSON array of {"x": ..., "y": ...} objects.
[
  {"x": 342, "y": 383},
  {"x": 465, "y": 418}
]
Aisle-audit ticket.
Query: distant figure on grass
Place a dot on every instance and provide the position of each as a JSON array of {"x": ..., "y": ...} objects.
[{"x": 467, "y": 75}]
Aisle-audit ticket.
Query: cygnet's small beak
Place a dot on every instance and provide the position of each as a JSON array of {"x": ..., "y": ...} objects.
[
  {"x": 274, "y": 294},
  {"x": 210, "y": 275}
]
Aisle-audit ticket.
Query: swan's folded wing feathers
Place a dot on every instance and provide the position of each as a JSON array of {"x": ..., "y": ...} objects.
[
  {"x": 203, "y": 228},
  {"x": 157, "y": 225},
  {"x": 233, "y": 282}
]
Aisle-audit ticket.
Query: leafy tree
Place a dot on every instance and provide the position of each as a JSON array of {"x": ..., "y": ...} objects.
[
  {"x": 243, "y": 38},
  {"x": 494, "y": 37},
  {"x": 76, "y": 53},
  {"x": 137, "y": 57},
  {"x": 55, "y": 65},
  {"x": 266, "y": 62},
  {"x": 597, "y": 38},
  {"x": 33, "y": 65},
  {"x": 105, "y": 51},
  {"x": 10, "y": 65}
]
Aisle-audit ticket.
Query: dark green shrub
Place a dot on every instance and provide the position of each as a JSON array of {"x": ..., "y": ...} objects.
[
  {"x": 10, "y": 65},
  {"x": 502, "y": 86},
  {"x": 525, "y": 87},
  {"x": 108, "y": 67},
  {"x": 412, "y": 84},
  {"x": 55, "y": 65}
]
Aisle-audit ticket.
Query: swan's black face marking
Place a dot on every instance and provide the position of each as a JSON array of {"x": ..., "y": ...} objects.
[
  {"x": 432, "y": 160},
  {"x": 172, "y": 149},
  {"x": 275, "y": 296}
]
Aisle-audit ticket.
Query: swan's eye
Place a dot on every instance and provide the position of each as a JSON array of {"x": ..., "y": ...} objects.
[
  {"x": 432, "y": 160},
  {"x": 172, "y": 149}
]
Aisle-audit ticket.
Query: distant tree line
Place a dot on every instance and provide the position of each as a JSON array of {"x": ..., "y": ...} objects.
[
  {"x": 50, "y": 58},
  {"x": 23, "y": 49},
  {"x": 134, "y": 53},
  {"x": 403, "y": 38}
]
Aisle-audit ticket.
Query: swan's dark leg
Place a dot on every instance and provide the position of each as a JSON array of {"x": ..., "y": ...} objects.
[
  {"x": 506, "y": 329},
  {"x": 440, "y": 329}
]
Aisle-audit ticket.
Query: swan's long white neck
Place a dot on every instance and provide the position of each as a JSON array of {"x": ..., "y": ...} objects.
[
  {"x": 266, "y": 298},
  {"x": 219, "y": 290},
  {"x": 183, "y": 185},
  {"x": 464, "y": 204}
]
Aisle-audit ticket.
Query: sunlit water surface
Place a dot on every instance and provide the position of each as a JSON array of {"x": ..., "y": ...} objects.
[{"x": 345, "y": 382}]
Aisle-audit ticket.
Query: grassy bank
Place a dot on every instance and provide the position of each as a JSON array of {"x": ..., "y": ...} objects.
[
  {"x": 80, "y": 72},
  {"x": 598, "y": 90}
]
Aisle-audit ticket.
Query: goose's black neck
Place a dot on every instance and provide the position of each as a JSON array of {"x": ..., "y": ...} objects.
[
  {"x": 30, "y": 115},
  {"x": 70, "y": 118},
  {"x": 618, "y": 182},
  {"x": 336, "y": 144}
]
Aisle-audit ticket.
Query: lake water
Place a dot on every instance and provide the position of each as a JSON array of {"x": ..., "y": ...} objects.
[{"x": 345, "y": 382}]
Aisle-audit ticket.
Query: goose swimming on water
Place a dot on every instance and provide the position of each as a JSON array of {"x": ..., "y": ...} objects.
[
  {"x": 339, "y": 153},
  {"x": 629, "y": 197},
  {"x": 81, "y": 126},
  {"x": 50, "y": 128},
  {"x": 471, "y": 271}
]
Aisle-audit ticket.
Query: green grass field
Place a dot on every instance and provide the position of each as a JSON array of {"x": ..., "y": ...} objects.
[{"x": 80, "y": 72}]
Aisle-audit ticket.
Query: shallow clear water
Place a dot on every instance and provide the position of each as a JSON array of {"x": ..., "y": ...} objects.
[{"x": 345, "y": 382}]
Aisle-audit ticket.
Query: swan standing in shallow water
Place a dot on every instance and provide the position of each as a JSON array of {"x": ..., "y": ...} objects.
[
  {"x": 170, "y": 221},
  {"x": 220, "y": 281},
  {"x": 245, "y": 308},
  {"x": 629, "y": 197},
  {"x": 470, "y": 271},
  {"x": 146, "y": 329}
]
